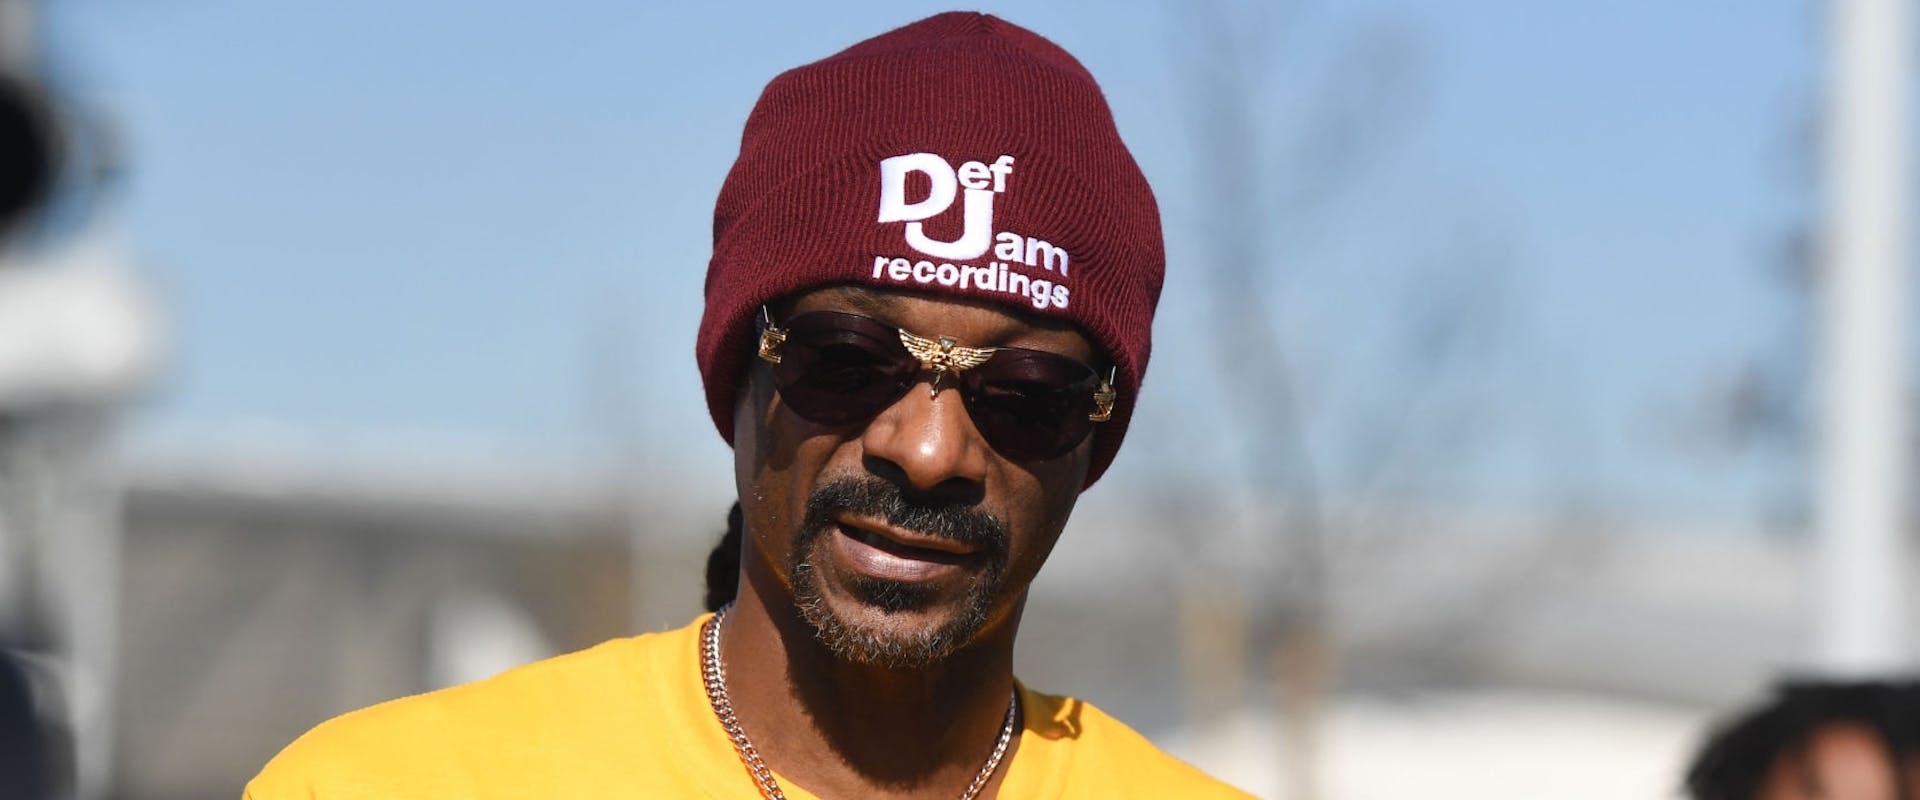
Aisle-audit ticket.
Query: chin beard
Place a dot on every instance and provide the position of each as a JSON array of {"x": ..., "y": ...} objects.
[{"x": 886, "y": 646}]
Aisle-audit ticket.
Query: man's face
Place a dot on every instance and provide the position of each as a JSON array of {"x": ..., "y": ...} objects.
[{"x": 904, "y": 537}]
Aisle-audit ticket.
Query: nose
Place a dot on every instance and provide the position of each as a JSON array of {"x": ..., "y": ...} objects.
[{"x": 926, "y": 444}]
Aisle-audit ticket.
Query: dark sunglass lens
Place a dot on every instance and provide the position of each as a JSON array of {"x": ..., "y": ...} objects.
[
  {"x": 1031, "y": 406},
  {"x": 836, "y": 369}
]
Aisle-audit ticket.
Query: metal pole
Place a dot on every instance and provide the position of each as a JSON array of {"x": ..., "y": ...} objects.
[{"x": 1865, "y": 475}]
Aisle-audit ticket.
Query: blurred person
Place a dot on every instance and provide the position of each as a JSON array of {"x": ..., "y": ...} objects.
[
  {"x": 928, "y": 311},
  {"x": 1817, "y": 741}
]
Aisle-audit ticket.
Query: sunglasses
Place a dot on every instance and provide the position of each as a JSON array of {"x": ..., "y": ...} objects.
[{"x": 834, "y": 369}]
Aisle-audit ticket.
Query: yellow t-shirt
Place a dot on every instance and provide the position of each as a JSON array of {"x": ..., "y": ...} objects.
[{"x": 629, "y": 718}]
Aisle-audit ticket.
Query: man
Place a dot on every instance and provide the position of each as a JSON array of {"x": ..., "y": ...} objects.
[
  {"x": 1817, "y": 741},
  {"x": 927, "y": 313}
]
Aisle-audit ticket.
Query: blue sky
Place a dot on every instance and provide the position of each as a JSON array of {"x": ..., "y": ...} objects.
[{"x": 487, "y": 223}]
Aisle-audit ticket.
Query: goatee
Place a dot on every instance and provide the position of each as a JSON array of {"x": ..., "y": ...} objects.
[{"x": 889, "y": 648}]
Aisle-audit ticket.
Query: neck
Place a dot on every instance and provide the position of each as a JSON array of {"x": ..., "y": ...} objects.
[{"x": 851, "y": 730}]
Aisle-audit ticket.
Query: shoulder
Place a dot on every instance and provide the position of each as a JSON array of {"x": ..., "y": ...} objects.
[
  {"x": 1093, "y": 749},
  {"x": 437, "y": 743}
]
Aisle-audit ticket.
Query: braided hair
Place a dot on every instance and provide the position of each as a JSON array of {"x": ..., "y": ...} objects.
[{"x": 723, "y": 564}]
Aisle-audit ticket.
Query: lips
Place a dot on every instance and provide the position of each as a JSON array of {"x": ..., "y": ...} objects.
[{"x": 890, "y": 553}]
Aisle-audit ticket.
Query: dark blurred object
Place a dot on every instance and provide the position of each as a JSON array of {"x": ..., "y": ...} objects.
[
  {"x": 1841, "y": 741},
  {"x": 24, "y": 756},
  {"x": 29, "y": 151}
]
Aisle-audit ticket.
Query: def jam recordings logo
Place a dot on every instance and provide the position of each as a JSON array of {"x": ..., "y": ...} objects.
[{"x": 981, "y": 182}]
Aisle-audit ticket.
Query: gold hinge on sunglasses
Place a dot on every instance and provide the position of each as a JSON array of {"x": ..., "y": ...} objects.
[
  {"x": 770, "y": 338},
  {"x": 1103, "y": 400}
]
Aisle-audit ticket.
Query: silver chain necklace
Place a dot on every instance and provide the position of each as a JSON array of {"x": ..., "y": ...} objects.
[{"x": 714, "y": 674}]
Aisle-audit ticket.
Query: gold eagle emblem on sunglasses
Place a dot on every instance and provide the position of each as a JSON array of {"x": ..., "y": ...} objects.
[{"x": 944, "y": 356}]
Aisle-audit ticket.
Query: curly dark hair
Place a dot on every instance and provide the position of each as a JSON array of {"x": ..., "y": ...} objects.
[{"x": 1737, "y": 756}]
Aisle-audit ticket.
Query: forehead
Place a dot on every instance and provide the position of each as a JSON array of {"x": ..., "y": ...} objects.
[{"x": 970, "y": 322}]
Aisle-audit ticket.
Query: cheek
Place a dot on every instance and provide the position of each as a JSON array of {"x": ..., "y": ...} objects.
[
  {"x": 761, "y": 474},
  {"x": 752, "y": 445},
  {"x": 778, "y": 459},
  {"x": 1038, "y": 513}
]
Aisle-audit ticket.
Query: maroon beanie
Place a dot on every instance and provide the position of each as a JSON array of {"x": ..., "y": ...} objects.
[{"x": 960, "y": 155}]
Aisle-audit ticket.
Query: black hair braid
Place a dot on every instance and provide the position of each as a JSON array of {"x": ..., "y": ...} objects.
[{"x": 723, "y": 564}]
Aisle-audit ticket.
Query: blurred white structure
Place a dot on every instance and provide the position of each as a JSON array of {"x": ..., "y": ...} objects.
[
  {"x": 1865, "y": 475},
  {"x": 76, "y": 328},
  {"x": 268, "y": 590}
]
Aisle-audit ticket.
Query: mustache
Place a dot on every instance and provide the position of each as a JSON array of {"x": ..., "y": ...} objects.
[{"x": 872, "y": 497}]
